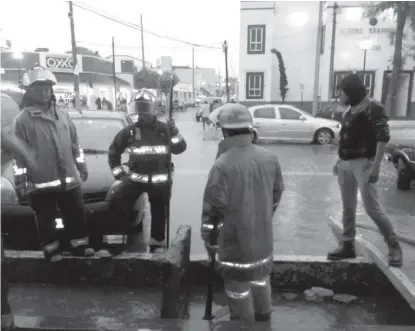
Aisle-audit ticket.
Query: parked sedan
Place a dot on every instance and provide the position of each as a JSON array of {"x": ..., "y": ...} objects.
[
  {"x": 96, "y": 130},
  {"x": 288, "y": 123}
]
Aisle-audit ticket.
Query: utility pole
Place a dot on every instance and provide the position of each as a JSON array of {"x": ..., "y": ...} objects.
[
  {"x": 142, "y": 41},
  {"x": 193, "y": 74},
  {"x": 317, "y": 64},
  {"x": 74, "y": 59},
  {"x": 332, "y": 51},
  {"x": 225, "y": 49},
  {"x": 113, "y": 73},
  {"x": 220, "y": 84}
]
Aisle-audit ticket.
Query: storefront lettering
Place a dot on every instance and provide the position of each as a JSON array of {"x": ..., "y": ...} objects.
[
  {"x": 381, "y": 30},
  {"x": 361, "y": 30},
  {"x": 59, "y": 62}
]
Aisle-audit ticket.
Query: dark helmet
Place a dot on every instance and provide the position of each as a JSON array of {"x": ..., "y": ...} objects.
[{"x": 144, "y": 102}]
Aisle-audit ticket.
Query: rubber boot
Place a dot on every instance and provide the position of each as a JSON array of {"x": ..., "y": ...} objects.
[
  {"x": 346, "y": 250},
  {"x": 395, "y": 254}
]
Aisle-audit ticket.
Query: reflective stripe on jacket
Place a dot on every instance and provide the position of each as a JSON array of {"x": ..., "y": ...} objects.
[
  {"x": 55, "y": 143},
  {"x": 244, "y": 186},
  {"x": 148, "y": 146}
]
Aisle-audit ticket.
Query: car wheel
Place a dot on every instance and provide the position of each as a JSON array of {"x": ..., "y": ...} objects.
[
  {"x": 403, "y": 181},
  {"x": 323, "y": 136},
  {"x": 254, "y": 137}
]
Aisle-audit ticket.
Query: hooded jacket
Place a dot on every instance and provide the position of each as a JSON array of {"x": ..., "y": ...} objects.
[
  {"x": 243, "y": 189},
  {"x": 54, "y": 141},
  {"x": 364, "y": 124}
]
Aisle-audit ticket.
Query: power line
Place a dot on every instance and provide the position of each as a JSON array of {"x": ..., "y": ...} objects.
[{"x": 137, "y": 27}]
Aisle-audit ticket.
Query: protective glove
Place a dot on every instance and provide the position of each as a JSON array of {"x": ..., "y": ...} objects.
[
  {"x": 171, "y": 123},
  {"x": 22, "y": 184},
  {"x": 84, "y": 175}
]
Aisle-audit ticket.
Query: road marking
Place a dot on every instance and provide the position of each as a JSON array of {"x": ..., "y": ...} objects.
[{"x": 288, "y": 173}]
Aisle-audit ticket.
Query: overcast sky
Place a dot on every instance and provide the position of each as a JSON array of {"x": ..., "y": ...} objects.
[{"x": 44, "y": 23}]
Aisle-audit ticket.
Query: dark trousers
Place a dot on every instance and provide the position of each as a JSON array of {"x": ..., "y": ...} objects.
[
  {"x": 123, "y": 200},
  {"x": 5, "y": 306},
  {"x": 68, "y": 205}
]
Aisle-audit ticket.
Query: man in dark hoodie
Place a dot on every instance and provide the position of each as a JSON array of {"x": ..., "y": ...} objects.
[{"x": 363, "y": 138}]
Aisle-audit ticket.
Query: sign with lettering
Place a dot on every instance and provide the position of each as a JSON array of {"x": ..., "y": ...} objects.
[
  {"x": 371, "y": 30},
  {"x": 59, "y": 63}
]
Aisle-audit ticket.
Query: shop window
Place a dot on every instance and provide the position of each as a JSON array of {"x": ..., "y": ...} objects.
[{"x": 367, "y": 77}]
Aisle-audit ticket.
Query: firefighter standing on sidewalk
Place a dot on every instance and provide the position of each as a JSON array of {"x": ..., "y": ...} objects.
[
  {"x": 55, "y": 182},
  {"x": 243, "y": 190},
  {"x": 147, "y": 142}
]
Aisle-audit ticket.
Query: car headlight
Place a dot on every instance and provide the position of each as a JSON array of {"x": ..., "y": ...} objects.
[
  {"x": 112, "y": 189},
  {"x": 8, "y": 193},
  {"x": 339, "y": 126}
]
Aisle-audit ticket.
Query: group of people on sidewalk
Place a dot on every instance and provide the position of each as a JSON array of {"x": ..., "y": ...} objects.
[{"x": 244, "y": 187}]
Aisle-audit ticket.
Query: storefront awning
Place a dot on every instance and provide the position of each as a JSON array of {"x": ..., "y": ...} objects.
[{"x": 84, "y": 77}]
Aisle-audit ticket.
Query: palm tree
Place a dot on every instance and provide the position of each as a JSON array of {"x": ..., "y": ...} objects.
[{"x": 402, "y": 10}]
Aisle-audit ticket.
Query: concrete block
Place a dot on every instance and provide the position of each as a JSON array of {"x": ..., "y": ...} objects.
[
  {"x": 127, "y": 269},
  {"x": 176, "y": 288}
]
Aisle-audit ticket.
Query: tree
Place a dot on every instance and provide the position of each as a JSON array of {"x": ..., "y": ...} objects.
[
  {"x": 84, "y": 51},
  {"x": 146, "y": 78},
  {"x": 283, "y": 75},
  {"x": 166, "y": 80},
  {"x": 401, "y": 10}
]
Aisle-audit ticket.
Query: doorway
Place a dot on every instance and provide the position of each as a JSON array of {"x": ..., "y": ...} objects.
[{"x": 401, "y": 104}]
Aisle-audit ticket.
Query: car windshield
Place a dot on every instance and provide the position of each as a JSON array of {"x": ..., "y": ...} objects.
[{"x": 96, "y": 134}]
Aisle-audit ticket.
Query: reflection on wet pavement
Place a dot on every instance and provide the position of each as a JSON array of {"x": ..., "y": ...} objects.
[{"x": 311, "y": 194}]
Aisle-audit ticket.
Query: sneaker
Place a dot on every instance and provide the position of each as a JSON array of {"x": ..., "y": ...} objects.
[
  {"x": 345, "y": 250},
  {"x": 395, "y": 255}
]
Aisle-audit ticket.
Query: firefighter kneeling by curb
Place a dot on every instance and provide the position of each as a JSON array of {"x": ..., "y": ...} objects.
[
  {"x": 54, "y": 183},
  {"x": 243, "y": 190},
  {"x": 147, "y": 142}
]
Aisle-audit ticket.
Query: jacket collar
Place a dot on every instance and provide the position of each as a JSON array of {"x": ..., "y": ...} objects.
[
  {"x": 35, "y": 111},
  {"x": 231, "y": 142}
]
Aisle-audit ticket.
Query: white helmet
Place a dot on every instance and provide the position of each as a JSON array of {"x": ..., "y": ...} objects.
[{"x": 38, "y": 73}]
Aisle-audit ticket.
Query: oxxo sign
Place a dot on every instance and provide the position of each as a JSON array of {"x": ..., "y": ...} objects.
[{"x": 59, "y": 63}]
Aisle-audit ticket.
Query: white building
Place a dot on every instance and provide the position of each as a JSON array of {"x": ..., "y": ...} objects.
[{"x": 291, "y": 28}]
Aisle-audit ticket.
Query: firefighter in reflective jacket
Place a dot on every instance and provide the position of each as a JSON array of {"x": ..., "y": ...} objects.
[
  {"x": 147, "y": 142},
  {"x": 54, "y": 185},
  {"x": 243, "y": 190}
]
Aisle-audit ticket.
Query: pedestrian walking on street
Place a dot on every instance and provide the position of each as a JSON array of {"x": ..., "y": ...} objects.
[
  {"x": 363, "y": 138},
  {"x": 205, "y": 115},
  {"x": 54, "y": 183},
  {"x": 147, "y": 142},
  {"x": 243, "y": 190}
]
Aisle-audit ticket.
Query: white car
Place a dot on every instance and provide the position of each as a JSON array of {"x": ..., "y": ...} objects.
[{"x": 288, "y": 123}]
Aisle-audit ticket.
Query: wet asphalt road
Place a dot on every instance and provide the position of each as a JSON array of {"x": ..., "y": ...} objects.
[{"x": 311, "y": 194}]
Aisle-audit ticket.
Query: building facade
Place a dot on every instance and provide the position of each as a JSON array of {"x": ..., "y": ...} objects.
[
  {"x": 291, "y": 28},
  {"x": 95, "y": 74}
]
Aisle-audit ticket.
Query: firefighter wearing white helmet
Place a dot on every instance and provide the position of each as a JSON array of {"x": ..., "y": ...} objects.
[
  {"x": 54, "y": 184},
  {"x": 243, "y": 190},
  {"x": 148, "y": 142}
]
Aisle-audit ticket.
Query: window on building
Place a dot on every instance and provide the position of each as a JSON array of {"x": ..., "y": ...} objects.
[
  {"x": 367, "y": 77},
  {"x": 289, "y": 114},
  {"x": 266, "y": 112},
  {"x": 256, "y": 39},
  {"x": 254, "y": 85}
]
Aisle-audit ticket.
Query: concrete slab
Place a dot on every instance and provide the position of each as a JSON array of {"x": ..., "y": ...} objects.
[{"x": 372, "y": 245}]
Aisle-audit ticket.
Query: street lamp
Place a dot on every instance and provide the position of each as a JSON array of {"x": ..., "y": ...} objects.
[
  {"x": 18, "y": 56},
  {"x": 365, "y": 44}
]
